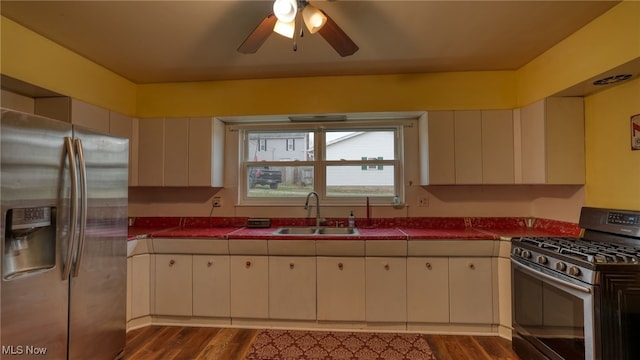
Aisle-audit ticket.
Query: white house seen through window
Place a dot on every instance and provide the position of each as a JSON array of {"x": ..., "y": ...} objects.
[{"x": 339, "y": 163}]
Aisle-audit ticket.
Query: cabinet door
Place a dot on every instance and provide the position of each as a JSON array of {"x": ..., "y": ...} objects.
[
  {"x": 292, "y": 287},
  {"x": 140, "y": 285},
  {"x": 440, "y": 138},
  {"x": 200, "y": 151},
  {"x": 468, "y": 147},
  {"x": 386, "y": 289},
  {"x": 129, "y": 287},
  {"x": 497, "y": 147},
  {"x": 341, "y": 288},
  {"x": 534, "y": 152},
  {"x": 428, "y": 289},
  {"x": 123, "y": 126},
  {"x": 173, "y": 285},
  {"x": 249, "y": 286},
  {"x": 470, "y": 289},
  {"x": 151, "y": 152},
  {"x": 565, "y": 140},
  {"x": 176, "y": 152},
  {"x": 58, "y": 107},
  {"x": 211, "y": 285},
  {"x": 89, "y": 116}
]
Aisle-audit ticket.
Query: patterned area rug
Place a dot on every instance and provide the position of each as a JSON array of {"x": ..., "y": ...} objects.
[{"x": 295, "y": 344}]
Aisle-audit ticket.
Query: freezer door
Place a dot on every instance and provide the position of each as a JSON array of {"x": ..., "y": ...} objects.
[
  {"x": 33, "y": 315},
  {"x": 97, "y": 317}
]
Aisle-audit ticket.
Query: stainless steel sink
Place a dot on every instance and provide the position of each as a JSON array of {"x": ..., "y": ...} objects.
[
  {"x": 315, "y": 232},
  {"x": 296, "y": 231},
  {"x": 338, "y": 231}
]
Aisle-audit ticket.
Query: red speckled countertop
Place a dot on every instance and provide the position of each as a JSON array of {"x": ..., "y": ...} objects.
[{"x": 375, "y": 229}]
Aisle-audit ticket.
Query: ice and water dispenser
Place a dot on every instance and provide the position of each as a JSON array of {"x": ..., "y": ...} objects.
[{"x": 29, "y": 241}]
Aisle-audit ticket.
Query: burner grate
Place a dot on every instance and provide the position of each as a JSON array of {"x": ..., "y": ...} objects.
[{"x": 587, "y": 250}]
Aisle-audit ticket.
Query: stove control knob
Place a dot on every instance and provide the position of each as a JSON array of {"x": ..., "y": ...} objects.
[
  {"x": 561, "y": 266},
  {"x": 542, "y": 260},
  {"x": 574, "y": 271},
  {"x": 526, "y": 254},
  {"x": 517, "y": 251}
]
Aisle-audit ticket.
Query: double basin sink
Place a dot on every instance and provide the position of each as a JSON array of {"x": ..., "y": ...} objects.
[{"x": 314, "y": 231}]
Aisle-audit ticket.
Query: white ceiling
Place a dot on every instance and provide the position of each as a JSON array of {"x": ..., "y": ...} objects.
[{"x": 172, "y": 41}]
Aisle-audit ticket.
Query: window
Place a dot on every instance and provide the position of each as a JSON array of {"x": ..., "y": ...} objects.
[{"x": 343, "y": 164}]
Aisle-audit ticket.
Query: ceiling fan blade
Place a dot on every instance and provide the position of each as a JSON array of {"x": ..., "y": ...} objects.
[
  {"x": 259, "y": 35},
  {"x": 337, "y": 38}
]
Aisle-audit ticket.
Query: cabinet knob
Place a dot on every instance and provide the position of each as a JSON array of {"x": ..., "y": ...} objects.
[
  {"x": 340, "y": 266},
  {"x": 209, "y": 263},
  {"x": 172, "y": 262},
  {"x": 428, "y": 265},
  {"x": 291, "y": 265},
  {"x": 387, "y": 267},
  {"x": 248, "y": 264},
  {"x": 472, "y": 266}
]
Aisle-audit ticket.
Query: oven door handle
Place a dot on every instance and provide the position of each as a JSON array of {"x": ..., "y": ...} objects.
[{"x": 553, "y": 279}]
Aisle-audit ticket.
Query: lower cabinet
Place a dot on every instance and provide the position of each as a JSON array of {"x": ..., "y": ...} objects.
[
  {"x": 211, "y": 285},
  {"x": 249, "y": 286},
  {"x": 386, "y": 289},
  {"x": 470, "y": 290},
  {"x": 140, "y": 286},
  {"x": 375, "y": 289},
  {"x": 341, "y": 288},
  {"x": 173, "y": 295},
  {"x": 428, "y": 289},
  {"x": 292, "y": 287},
  {"x": 191, "y": 285}
]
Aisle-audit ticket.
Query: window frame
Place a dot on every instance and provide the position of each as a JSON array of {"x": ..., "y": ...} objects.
[{"x": 319, "y": 163}]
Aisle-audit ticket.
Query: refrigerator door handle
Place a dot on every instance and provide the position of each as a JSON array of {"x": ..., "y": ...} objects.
[
  {"x": 83, "y": 205},
  {"x": 68, "y": 145}
]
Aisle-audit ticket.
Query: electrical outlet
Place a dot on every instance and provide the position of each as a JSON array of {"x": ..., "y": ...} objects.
[
  {"x": 217, "y": 201},
  {"x": 423, "y": 202}
]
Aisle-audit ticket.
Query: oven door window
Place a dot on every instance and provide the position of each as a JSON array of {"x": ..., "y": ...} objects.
[{"x": 551, "y": 318}]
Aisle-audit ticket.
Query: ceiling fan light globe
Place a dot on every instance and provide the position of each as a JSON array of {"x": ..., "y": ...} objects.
[
  {"x": 285, "y": 10},
  {"x": 313, "y": 18},
  {"x": 286, "y": 29}
]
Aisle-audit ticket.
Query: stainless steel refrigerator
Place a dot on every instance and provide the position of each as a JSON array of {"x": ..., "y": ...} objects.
[{"x": 64, "y": 231}]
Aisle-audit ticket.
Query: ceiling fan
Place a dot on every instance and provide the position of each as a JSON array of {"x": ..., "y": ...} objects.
[{"x": 289, "y": 14}]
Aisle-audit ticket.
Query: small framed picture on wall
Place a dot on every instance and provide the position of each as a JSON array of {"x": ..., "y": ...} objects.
[{"x": 635, "y": 132}]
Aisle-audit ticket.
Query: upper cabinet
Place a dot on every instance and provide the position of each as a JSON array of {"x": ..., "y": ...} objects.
[
  {"x": 181, "y": 152},
  {"x": 542, "y": 143},
  {"x": 467, "y": 147},
  {"x": 437, "y": 148},
  {"x": 467, "y": 126},
  {"x": 126, "y": 127},
  {"x": 95, "y": 118},
  {"x": 552, "y": 135},
  {"x": 498, "y": 152}
]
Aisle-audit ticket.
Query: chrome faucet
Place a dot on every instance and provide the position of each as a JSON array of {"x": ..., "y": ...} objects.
[{"x": 306, "y": 207}]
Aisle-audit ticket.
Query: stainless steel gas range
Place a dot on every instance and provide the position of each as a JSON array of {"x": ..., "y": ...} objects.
[{"x": 579, "y": 298}]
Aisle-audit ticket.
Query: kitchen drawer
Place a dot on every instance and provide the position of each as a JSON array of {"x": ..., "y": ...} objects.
[
  {"x": 340, "y": 247},
  {"x": 191, "y": 246}
]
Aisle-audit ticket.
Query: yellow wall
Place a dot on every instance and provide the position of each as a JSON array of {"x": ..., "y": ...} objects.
[
  {"x": 34, "y": 59},
  {"x": 608, "y": 41},
  {"x": 460, "y": 90},
  {"x": 613, "y": 170}
]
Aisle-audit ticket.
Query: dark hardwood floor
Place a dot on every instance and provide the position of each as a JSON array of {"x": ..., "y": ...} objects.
[
  {"x": 188, "y": 343},
  {"x": 202, "y": 343},
  {"x": 455, "y": 347}
]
